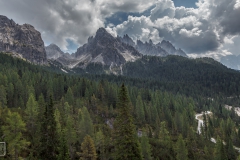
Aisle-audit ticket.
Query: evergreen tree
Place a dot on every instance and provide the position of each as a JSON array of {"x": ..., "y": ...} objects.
[
  {"x": 3, "y": 96},
  {"x": 126, "y": 143},
  {"x": 88, "y": 151},
  {"x": 86, "y": 124},
  {"x": 69, "y": 129},
  {"x": 145, "y": 148},
  {"x": 13, "y": 134},
  {"x": 230, "y": 150},
  {"x": 48, "y": 132},
  {"x": 63, "y": 149},
  {"x": 140, "y": 110},
  {"x": 220, "y": 153},
  {"x": 181, "y": 150},
  {"x": 69, "y": 96},
  {"x": 33, "y": 126},
  {"x": 100, "y": 144}
]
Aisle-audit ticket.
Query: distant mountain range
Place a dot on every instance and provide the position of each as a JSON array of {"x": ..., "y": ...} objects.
[
  {"x": 108, "y": 50},
  {"x": 25, "y": 42}
]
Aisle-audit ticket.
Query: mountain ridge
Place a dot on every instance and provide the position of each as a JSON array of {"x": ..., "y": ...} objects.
[{"x": 22, "y": 39}]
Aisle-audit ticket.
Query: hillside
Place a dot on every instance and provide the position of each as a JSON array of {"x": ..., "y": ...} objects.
[{"x": 82, "y": 106}]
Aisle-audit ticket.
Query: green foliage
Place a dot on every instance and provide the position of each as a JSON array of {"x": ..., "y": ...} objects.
[
  {"x": 48, "y": 132},
  {"x": 181, "y": 150},
  {"x": 88, "y": 151},
  {"x": 146, "y": 148},
  {"x": 163, "y": 101},
  {"x": 86, "y": 124},
  {"x": 220, "y": 152},
  {"x": 13, "y": 134},
  {"x": 125, "y": 141}
]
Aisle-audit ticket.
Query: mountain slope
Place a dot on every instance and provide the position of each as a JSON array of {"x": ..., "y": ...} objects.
[
  {"x": 105, "y": 49},
  {"x": 148, "y": 48},
  {"x": 23, "y": 40}
]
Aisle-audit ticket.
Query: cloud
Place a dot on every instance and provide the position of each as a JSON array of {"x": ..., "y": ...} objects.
[
  {"x": 63, "y": 20},
  {"x": 205, "y": 29},
  {"x": 201, "y": 30}
]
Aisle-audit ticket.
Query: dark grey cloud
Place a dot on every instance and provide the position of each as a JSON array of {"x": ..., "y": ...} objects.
[
  {"x": 226, "y": 15},
  {"x": 61, "y": 21},
  {"x": 200, "y": 30}
]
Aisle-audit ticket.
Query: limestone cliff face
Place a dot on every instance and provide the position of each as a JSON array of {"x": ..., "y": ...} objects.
[
  {"x": 23, "y": 40},
  {"x": 107, "y": 50}
]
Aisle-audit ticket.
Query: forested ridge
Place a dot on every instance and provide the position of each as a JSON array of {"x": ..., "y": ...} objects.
[{"x": 49, "y": 115}]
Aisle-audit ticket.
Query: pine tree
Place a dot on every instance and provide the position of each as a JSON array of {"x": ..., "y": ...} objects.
[
  {"x": 145, "y": 148},
  {"x": 69, "y": 128},
  {"x": 126, "y": 143},
  {"x": 88, "y": 149},
  {"x": 220, "y": 153},
  {"x": 99, "y": 140},
  {"x": 33, "y": 128},
  {"x": 48, "y": 141},
  {"x": 230, "y": 150},
  {"x": 69, "y": 96},
  {"x": 140, "y": 110},
  {"x": 13, "y": 134},
  {"x": 86, "y": 124},
  {"x": 3, "y": 96},
  {"x": 181, "y": 149},
  {"x": 63, "y": 149}
]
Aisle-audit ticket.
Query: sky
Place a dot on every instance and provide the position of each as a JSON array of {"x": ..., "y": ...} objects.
[{"x": 199, "y": 27}]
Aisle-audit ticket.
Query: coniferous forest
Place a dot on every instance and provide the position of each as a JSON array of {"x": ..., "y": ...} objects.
[{"x": 46, "y": 114}]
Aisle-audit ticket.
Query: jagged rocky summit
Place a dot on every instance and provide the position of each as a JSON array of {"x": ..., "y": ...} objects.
[
  {"x": 22, "y": 40},
  {"x": 148, "y": 48},
  {"x": 106, "y": 49}
]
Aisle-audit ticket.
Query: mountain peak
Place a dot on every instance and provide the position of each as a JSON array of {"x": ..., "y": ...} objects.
[
  {"x": 101, "y": 31},
  {"x": 23, "y": 40}
]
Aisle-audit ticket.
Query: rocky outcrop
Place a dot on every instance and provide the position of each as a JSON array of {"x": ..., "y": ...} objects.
[
  {"x": 126, "y": 39},
  {"x": 53, "y": 52},
  {"x": 56, "y": 54},
  {"x": 148, "y": 48},
  {"x": 23, "y": 40},
  {"x": 107, "y": 50},
  {"x": 167, "y": 46}
]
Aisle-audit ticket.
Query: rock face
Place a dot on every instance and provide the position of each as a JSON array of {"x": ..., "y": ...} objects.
[
  {"x": 23, "y": 40},
  {"x": 167, "y": 46},
  {"x": 55, "y": 53},
  {"x": 148, "y": 48},
  {"x": 107, "y": 50}
]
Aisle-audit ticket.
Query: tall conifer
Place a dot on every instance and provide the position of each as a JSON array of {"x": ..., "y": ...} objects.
[{"x": 126, "y": 142}]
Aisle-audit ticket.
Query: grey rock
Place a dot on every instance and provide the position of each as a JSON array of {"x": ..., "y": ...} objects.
[
  {"x": 106, "y": 49},
  {"x": 55, "y": 53},
  {"x": 23, "y": 40},
  {"x": 148, "y": 48},
  {"x": 167, "y": 46}
]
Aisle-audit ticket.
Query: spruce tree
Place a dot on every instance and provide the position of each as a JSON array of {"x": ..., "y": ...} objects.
[
  {"x": 220, "y": 152},
  {"x": 125, "y": 137},
  {"x": 63, "y": 149},
  {"x": 145, "y": 147},
  {"x": 86, "y": 124},
  {"x": 181, "y": 149},
  {"x": 33, "y": 128},
  {"x": 140, "y": 110},
  {"x": 48, "y": 140}
]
